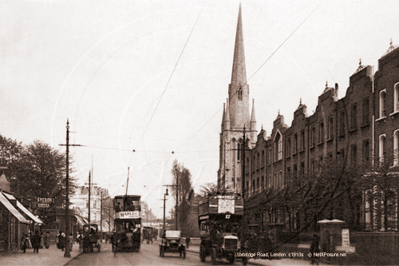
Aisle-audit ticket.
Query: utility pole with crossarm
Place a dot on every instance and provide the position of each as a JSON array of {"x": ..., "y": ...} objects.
[{"x": 67, "y": 251}]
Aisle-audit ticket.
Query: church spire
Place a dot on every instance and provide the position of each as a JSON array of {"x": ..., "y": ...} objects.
[
  {"x": 239, "y": 75},
  {"x": 223, "y": 116},
  {"x": 227, "y": 117},
  {"x": 253, "y": 118}
]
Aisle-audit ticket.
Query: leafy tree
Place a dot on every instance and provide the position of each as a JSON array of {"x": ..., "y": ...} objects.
[
  {"x": 182, "y": 191},
  {"x": 10, "y": 156}
]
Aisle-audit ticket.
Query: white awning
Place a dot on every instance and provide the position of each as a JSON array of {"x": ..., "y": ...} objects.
[
  {"x": 22, "y": 207},
  {"x": 80, "y": 220},
  {"x": 12, "y": 209}
]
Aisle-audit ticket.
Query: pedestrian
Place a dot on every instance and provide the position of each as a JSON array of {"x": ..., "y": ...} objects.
[
  {"x": 314, "y": 248},
  {"x": 24, "y": 242},
  {"x": 29, "y": 237},
  {"x": 36, "y": 242},
  {"x": 57, "y": 238},
  {"x": 47, "y": 239},
  {"x": 70, "y": 241},
  {"x": 187, "y": 241},
  {"x": 79, "y": 238},
  {"x": 41, "y": 240},
  {"x": 62, "y": 240}
]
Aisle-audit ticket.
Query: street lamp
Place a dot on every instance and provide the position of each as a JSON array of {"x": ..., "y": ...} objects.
[{"x": 164, "y": 200}]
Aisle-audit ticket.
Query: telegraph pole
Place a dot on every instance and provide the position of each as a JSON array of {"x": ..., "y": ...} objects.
[
  {"x": 67, "y": 252},
  {"x": 177, "y": 196},
  {"x": 109, "y": 216},
  {"x": 243, "y": 164},
  {"x": 89, "y": 194},
  {"x": 101, "y": 211}
]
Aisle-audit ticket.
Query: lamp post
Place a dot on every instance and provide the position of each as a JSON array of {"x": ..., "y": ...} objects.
[{"x": 164, "y": 200}]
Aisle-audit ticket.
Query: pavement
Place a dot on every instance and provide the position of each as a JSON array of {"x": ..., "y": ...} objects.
[
  {"x": 277, "y": 262},
  {"x": 50, "y": 256}
]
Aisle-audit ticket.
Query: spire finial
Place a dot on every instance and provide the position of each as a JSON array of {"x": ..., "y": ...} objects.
[
  {"x": 300, "y": 101},
  {"x": 279, "y": 112},
  {"x": 390, "y": 42},
  {"x": 360, "y": 62},
  {"x": 326, "y": 84}
]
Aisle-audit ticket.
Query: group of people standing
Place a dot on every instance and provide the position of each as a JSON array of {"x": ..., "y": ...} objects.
[
  {"x": 35, "y": 241},
  {"x": 61, "y": 240}
]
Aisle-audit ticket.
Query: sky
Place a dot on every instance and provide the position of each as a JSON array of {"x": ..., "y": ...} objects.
[{"x": 152, "y": 76}]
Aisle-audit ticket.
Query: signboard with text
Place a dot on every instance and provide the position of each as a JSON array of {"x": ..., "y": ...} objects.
[
  {"x": 226, "y": 205},
  {"x": 44, "y": 202},
  {"x": 129, "y": 215}
]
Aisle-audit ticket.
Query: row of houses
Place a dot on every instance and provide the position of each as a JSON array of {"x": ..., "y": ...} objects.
[
  {"x": 362, "y": 127},
  {"x": 15, "y": 219}
]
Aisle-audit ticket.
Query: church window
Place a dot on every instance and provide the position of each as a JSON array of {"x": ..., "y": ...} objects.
[
  {"x": 278, "y": 147},
  {"x": 382, "y": 103},
  {"x": 238, "y": 151},
  {"x": 395, "y": 147},
  {"x": 396, "y": 98},
  {"x": 382, "y": 148},
  {"x": 321, "y": 132},
  {"x": 240, "y": 94}
]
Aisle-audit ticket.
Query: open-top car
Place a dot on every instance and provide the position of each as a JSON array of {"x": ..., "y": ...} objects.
[
  {"x": 91, "y": 238},
  {"x": 171, "y": 242}
]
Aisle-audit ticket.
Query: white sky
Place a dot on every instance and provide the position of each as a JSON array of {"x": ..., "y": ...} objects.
[{"x": 105, "y": 64}]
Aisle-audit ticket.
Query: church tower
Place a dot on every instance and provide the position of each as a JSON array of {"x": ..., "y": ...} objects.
[{"x": 236, "y": 117}]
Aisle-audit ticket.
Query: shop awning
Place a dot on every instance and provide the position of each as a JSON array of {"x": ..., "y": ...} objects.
[
  {"x": 22, "y": 208},
  {"x": 80, "y": 220},
  {"x": 84, "y": 219},
  {"x": 12, "y": 209}
]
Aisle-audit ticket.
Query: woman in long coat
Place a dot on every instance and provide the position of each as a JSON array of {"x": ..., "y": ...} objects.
[
  {"x": 47, "y": 239},
  {"x": 36, "y": 242},
  {"x": 62, "y": 241}
]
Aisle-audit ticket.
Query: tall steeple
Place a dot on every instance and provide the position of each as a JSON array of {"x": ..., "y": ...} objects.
[
  {"x": 224, "y": 112},
  {"x": 239, "y": 73},
  {"x": 238, "y": 88},
  {"x": 253, "y": 118},
  {"x": 227, "y": 117}
]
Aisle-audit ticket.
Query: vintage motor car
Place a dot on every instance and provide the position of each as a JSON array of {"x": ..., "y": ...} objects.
[
  {"x": 91, "y": 238},
  {"x": 171, "y": 242}
]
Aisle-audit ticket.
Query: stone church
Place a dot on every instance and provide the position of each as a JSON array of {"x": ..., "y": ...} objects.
[{"x": 236, "y": 119}]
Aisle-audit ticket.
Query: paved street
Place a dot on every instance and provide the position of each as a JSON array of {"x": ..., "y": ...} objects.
[
  {"x": 148, "y": 255},
  {"x": 51, "y": 256}
]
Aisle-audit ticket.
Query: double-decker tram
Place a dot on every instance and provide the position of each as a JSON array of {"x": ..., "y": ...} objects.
[{"x": 127, "y": 223}]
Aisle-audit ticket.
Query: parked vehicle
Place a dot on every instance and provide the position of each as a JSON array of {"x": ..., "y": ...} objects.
[
  {"x": 172, "y": 243},
  {"x": 91, "y": 238}
]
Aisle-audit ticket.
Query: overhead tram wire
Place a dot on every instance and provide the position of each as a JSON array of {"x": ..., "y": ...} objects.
[
  {"x": 143, "y": 151},
  {"x": 163, "y": 92},
  {"x": 289, "y": 36}
]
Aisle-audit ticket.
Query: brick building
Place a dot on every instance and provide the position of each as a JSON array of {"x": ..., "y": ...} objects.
[{"x": 363, "y": 127}]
